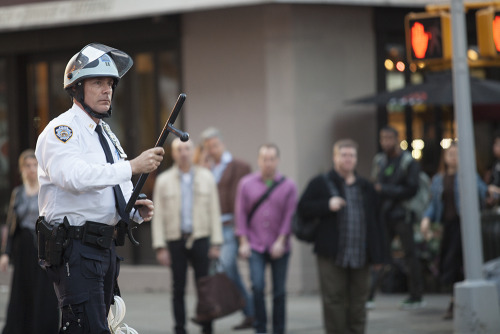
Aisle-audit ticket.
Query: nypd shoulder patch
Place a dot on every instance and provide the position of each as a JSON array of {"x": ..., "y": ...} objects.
[{"x": 63, "y": 132}]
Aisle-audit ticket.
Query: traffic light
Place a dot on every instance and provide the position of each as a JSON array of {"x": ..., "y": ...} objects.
[
  {"x": 488, "y": 32},
  {"x": 428, "y": 37}
]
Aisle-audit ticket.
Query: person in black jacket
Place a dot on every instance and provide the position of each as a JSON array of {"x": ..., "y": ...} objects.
[
  {"x": 396, "y": 177},
  {"x": 349, "y": 238}
]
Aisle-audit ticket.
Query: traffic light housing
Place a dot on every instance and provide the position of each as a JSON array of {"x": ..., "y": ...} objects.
[
  {"x": 488, "y": 32},
  {"x": 428, "y": 37}
]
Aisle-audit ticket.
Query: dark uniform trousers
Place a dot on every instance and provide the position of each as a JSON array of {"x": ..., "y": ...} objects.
[{"x": 84, "y": 285}]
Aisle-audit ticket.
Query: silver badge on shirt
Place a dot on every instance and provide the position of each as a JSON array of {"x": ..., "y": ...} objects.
[{"x": 115, "y": 140}]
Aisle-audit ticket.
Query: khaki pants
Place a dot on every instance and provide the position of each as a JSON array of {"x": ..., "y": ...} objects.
[{"x": 344, "y": 292}]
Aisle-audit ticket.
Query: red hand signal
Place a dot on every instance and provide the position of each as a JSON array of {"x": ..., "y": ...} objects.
[
  {"x": 496, "y": 32},
  {"x": 419, "y": 40}
]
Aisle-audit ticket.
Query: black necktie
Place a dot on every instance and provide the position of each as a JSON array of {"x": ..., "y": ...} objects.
[{"x": 119, "y": 199}]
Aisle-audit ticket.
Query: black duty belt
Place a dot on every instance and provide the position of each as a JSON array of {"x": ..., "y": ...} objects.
[{"x": 95, "y": 234}]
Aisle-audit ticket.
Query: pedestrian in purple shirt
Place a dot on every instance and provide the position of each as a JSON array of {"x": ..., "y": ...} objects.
[{"x": 265, "y": 204}]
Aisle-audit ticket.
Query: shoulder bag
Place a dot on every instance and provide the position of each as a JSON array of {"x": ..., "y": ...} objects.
[
  {"x": 306, "y": 230},
  {"x": 218, "y": 296}
]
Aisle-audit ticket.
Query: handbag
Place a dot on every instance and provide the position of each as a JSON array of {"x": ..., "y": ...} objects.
[
  {"x": 305, "y": 230},
  {"x": 218, "y": 296}
]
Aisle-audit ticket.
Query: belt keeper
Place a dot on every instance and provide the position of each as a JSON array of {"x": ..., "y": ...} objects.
[{"x": 77, "y": 232}]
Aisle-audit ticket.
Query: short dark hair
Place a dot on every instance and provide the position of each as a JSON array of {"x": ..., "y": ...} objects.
[
  {"x": 390, "y": 129},
  {"x": 271, "y": 145}
]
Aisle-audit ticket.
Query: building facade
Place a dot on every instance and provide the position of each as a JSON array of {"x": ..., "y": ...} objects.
[{"x": 260, "y": 71}]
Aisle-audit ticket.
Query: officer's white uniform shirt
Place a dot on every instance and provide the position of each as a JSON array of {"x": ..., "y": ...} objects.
[{"x": 75, "y": 179}]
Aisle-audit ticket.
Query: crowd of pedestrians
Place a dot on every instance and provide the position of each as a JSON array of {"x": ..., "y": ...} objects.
[
  {"x": 211, "y": 208},
  {"x": 358, "y": 220}
]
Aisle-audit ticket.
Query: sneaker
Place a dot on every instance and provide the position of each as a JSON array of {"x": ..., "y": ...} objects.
[
  {"x": 370, "y": 305},
  {"x": 412, "y": 303}
]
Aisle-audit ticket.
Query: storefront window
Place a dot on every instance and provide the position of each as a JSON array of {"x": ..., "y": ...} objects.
[
  {"x": 38, "y": 99},
  {"x": 59, "y": 99},
  {"x": 423, "y": 129}
]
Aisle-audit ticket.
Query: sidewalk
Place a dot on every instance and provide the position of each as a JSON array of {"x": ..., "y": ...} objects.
[{"x": 150, "y": 313}]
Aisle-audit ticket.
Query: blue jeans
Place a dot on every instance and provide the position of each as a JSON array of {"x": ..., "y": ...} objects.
[
  {"x": 228, "y": 259},
  {"x": 279, "y": 268}
]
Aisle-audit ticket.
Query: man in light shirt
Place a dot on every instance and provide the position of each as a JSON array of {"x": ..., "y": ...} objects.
[{"x": 187, "y": 227}]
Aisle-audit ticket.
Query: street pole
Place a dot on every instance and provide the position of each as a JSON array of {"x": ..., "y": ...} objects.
[{"x": 476, "y": 308}]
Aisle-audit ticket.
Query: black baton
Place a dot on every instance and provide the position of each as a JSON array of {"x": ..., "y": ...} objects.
[{"x": 169, "y": 127}]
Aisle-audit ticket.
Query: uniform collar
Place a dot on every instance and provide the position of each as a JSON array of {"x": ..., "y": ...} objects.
[{"x": 84, "y": 119}]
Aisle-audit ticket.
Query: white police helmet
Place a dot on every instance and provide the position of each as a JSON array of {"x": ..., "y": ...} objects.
[{"x": 96, "y": 60}]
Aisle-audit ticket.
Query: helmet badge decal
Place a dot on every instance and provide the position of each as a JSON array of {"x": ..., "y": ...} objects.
[
  {"x": 105, "y": 59},
  {"x": 63, "y": 133}
]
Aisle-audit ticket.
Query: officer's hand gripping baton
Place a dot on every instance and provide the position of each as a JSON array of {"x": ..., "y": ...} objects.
[{"x": 184, "y": 136}]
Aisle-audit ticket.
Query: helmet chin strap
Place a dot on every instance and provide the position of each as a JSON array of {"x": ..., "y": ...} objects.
[{"x": 92, "y": 113}]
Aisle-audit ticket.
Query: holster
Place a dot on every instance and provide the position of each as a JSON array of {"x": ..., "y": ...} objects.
[
  {"x": 52, "y": 239},
  {"x": 121, "y": 231}
]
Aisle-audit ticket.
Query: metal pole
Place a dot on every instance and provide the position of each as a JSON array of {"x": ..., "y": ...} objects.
[
  {"x": 476, "y": 302},
  {"x": 469, "y": 208}
]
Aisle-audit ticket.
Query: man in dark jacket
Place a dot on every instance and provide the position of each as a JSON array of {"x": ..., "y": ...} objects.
[
  {"x": 396, "y": 177},
  {"x": 348, "y": 239}
]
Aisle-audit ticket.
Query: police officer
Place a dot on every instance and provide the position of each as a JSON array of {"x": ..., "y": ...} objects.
[{"x": 84, "y": 181}]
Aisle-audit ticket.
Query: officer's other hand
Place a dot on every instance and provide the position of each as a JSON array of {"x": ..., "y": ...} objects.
[
  {"x": 163, "y": 257},
  {"x": 147, "y": 161},
  {"x": 336, "y": 203},
  {"x": 4, "y": 262},
  {"x": 146, "y": 209}
]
